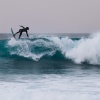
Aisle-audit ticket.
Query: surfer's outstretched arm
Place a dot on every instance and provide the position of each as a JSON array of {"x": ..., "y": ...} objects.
[
  {"x": 22, "y": 26},
  {"x": 27, "y": 34}
]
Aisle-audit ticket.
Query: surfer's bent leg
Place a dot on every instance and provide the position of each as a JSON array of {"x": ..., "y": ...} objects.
[
  {"x": 16, "y": 33},
  {"x": 20, "y": 35}
]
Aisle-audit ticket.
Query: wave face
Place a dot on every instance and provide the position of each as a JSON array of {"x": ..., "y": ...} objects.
[{"x": 51, "y": 47}]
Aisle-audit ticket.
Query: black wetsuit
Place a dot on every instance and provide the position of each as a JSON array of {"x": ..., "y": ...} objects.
[{"x": 24, "y": 29}]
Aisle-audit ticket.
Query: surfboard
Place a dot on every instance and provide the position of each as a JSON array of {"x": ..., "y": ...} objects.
[{"x": 12, "y": 32}]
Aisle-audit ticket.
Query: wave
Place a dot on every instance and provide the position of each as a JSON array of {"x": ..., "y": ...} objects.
[{"x": 53, "y": 47}]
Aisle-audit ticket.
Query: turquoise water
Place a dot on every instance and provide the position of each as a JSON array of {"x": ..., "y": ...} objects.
[{"x": 50, "y": 67}]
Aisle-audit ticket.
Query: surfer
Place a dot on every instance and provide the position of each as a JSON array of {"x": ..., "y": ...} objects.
[{"x": 24, "y": 29}]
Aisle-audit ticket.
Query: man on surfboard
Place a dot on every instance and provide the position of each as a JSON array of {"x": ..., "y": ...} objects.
[{"x": 24, "y": 29}]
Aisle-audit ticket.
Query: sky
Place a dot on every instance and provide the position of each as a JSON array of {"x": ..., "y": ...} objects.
[{"x": 50, "y": 16}]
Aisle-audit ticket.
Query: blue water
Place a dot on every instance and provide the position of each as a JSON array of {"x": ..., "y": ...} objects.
[{"x": 50, "y": 67}]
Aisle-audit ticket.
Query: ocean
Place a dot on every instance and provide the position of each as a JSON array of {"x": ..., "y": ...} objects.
[{"x": 50, "y": 67}]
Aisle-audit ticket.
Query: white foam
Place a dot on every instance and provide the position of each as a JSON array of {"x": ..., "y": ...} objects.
[
  {"x": 83, "y": 50},
  {"x": 51, "y": 87},
  {"x": 24, "y": 48},
  {"x": 86, "y": 50}
]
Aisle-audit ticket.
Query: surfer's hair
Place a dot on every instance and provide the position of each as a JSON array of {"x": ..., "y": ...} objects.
[{"x": 27, "y": 28}]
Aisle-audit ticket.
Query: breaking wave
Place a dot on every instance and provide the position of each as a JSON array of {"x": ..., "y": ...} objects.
[{"x": 53, "y": 47}]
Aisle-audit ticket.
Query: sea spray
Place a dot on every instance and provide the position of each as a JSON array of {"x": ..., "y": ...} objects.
[
  {"x": 86, "y": 50},
  {"x": 34, "y": 49}
]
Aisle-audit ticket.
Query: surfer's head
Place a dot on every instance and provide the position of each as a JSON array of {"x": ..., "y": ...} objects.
[{"x": 27, "y": 28}]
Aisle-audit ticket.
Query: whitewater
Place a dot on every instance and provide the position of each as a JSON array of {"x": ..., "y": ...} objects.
[
  {"x": 78, "y": 50},
  {"x": 50, "y": 68}
]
